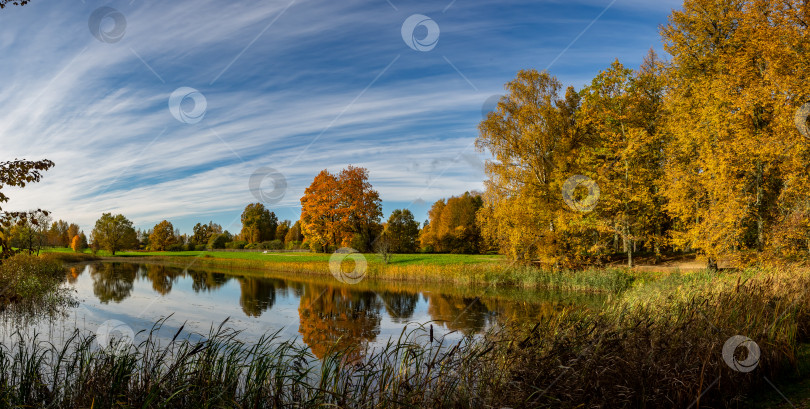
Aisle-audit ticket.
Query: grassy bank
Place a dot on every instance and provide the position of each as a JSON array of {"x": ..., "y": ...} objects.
[
  {"x": 658, "y": 345},
  {"x": 454, "y": 269}
]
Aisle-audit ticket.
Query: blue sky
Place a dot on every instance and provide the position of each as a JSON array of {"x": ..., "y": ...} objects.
[{"x": 297, "y": 86}]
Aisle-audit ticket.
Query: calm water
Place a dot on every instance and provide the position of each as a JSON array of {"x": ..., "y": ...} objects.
[{"x": 318, "y": 311}]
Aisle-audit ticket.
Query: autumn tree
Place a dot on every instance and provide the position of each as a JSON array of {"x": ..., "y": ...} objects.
[
  {"x": 258, "y": 223},
  {"x": 403, "y": 231},
  {"x": 77, "y": 244},
  {"x": 162, "y": 236},
  {"x": 18, "y": 173},
  {"x": 73, "y": 230},
  {"x": 282, "y": 230},
  {"x": 203, "y": 232},
  {"x": 736, "y": 165},
  {"x": 114, "y": 233},
  {"x": 4, "y": 3},
  {"x": 341, "y": 210},
  {"x": 59, "y": 235},
  {"x": 452, "y": 226},
  {"x": 619, "y": 113},
  {"x": 320, "y": 211},
  {"x": 361, "y": 208},
  {"x": 294, "y": 234}
]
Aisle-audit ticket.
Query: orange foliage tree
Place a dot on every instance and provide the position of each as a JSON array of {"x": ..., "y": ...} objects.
[
  {"x": 76, "y": 243},
  {"x": 341, "y": 210}
]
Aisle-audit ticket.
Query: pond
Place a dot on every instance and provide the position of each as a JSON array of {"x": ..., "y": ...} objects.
[{"x": 318, "y": 311}]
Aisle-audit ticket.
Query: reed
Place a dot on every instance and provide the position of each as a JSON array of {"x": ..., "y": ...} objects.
[{"x": 613, "y": 280}]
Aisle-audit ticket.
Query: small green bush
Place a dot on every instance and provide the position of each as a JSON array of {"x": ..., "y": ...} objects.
[
  {"x": 26, "y": 277},
  {"x": 175, "y": 247}
]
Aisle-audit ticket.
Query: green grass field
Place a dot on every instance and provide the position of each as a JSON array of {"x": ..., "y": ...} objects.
[{"x": 396, "y": 259}]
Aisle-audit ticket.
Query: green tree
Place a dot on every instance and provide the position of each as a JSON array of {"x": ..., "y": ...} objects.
[
  {"x": 162, "y": 236},
  {"x": 403, "y": 231},
  {"x": 218, "y": 241},
  {"x": 258, "y": 223},
  {"x": 114, "y": 233}
]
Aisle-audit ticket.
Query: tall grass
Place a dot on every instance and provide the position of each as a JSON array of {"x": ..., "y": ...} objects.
[
  {"x": 613, "y": 280},
  {"x": 654, "y": 347}
]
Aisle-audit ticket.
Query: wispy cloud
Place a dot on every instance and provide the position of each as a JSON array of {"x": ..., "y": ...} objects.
[{"x": 100, "y": 110}]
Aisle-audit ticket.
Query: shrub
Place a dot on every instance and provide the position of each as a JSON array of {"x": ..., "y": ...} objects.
[
  {"x": 236, "y": 244},
  {"x": 293, "y": 245},
  {"x": 218, "y": 241},
  {"x": 273, "y": 245},
  {"x": 175, "y": 247},
  {"x": 29, "y": 278}
]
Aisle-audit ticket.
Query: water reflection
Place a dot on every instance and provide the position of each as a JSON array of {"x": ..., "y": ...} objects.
[
  {"x": 113, "y": 281},
  {"x": 466, "y": 314},
  {"x": 400, "y": 305},
  {"x": 258, "y": 295},
  {"x": 329, "y": 314},
  {"x": 338, "y": 317},
  {"x": 207, "y": 281}
]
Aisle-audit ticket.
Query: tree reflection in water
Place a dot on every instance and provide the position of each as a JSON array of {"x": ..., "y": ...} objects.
[
  {"x": 162, "y": 277},
  {"x": 113, "y": 281},
  {"x": 203, "y": 281},
  {"x": 338, "y": 317},
  {"x": 331, "y": 316},
  {"x": 400, "y": 305},
  {"x": 465, "y": 314},
  {"x": 258, "y": 295}
]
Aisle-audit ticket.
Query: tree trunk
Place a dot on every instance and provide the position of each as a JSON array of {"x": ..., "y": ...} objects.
[
  {"x": 657, "y": 242},
  {"x": 711, "y": 264},
  {"x": 630, "y": 257},
  {"x": 758, "y": 207}
]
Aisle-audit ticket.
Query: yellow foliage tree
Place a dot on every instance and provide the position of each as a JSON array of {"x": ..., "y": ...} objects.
[
  {"x": 736, "y": 165},
  {"x": 76, "y": 243}
]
